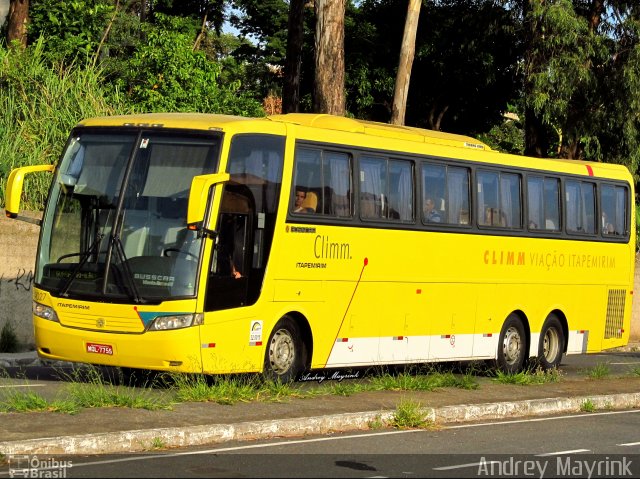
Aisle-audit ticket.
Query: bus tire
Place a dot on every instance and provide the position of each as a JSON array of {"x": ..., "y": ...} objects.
[
  {"x": 551, "y": 345},
  {"x": 512, "y": 345},
  {"x": 286, "y": 353}
]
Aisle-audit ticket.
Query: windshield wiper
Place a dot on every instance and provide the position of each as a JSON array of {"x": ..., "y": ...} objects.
[
  {"x": 84, "y": 257},
  {"x": 117, "y": 242}
]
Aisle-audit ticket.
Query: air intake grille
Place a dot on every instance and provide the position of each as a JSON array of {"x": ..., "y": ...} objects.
[{"x": 615, "y": 313}]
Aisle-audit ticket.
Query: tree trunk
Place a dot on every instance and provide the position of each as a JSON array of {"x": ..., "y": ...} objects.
[
  {"x": 17, "y": 21},
  {"x": 329, "y": 94},
  {"x": 536, "y": 141},
  {"x": 291, "y": 88},
  {"x": 407, "y": 52}
]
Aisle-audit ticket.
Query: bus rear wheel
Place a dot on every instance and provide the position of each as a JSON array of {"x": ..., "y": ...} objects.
[
  {"x": 512, "y": 346},
  {"x": 551, "y": 345},
  {"x": 285, "y": 357}
]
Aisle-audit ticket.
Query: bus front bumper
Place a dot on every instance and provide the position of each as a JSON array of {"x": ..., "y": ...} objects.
[{"x": 171, "y": 350}]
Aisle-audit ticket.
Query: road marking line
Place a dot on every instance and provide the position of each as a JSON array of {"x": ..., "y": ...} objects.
[
  {"x": 539, "y": 419},
  {"x": 560, "y": 453},
  {"x": 462, "y": 466},
  {"x": 20, "y": 385},
  {"x": 629, "y": 444}
]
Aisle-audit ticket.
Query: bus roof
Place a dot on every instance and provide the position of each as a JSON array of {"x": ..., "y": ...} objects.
[
  {"x": 477, "y": 150},
  {"x": 316, "y": 120},
  {"x": 198, "y": 121},
  {"x": 400, "y": 132}
]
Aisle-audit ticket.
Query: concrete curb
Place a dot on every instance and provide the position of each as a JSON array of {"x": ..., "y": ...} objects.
[
  {"x": 30, "y": 359},
  {"x": 144, "y": 440}
]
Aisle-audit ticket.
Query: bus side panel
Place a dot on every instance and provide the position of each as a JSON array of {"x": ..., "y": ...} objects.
[{"x": 232, "y": 341}]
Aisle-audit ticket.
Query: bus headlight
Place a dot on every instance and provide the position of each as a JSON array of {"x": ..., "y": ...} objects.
[
  {"x": 163, "y": 323},
  {"x": 44, "y": 312}
]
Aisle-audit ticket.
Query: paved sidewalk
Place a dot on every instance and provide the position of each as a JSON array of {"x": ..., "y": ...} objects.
[{"x": 118, "y": 430}]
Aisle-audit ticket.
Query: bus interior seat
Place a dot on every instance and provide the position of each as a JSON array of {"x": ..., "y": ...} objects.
[{"x": 310, "y": 202}]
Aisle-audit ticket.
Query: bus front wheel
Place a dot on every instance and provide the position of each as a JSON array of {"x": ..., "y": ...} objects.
[
  {"x": 285, "y": 356},
  {"x": 551, "y": 345},
  {"x": 511, "y": 345}
]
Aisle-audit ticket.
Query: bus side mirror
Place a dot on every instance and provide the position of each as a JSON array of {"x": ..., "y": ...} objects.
[
  {"x": 13, "y": 190},
  {"x": 199, "y": 199}
]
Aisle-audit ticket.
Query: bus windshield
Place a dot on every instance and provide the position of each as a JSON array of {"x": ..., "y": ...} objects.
[{"x": 115, "y": 225}]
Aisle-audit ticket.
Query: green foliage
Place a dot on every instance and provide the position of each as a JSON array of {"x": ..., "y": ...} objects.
[
  {"x": 165, "y": 74},
  {"x": 599, "y": 371},
  {"x": 8, "y": 339},
  {"x": 409, "y": 414},
  {"x": 506, "y": 137},
  {"x": 526, "y": 378},
  {"x": 73, "y": 29},
  {"x": 21, "y": 401},
  {"x": 40, "y": 105},
  {"x": 429, "y": 381},
  {"x": 587, "y": 406},
  {"x": 229, "y": 389}
]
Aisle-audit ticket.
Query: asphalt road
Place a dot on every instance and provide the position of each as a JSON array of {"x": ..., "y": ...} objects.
[{"x": 604, "y": 444}]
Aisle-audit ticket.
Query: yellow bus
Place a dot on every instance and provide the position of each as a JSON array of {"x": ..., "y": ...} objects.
[{"x": 299, "y": 242}]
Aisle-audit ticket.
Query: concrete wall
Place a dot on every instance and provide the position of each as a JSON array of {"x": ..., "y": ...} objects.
[
  {"x": 18, "y": 242},
  {"x": 4, "y": 11}
]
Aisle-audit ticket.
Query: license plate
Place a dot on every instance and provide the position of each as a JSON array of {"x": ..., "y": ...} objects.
[{"x": 100, "y": 348}]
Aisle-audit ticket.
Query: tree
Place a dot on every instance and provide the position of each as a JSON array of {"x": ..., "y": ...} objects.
[
  {"x": 407, "y": 51},
  {"x": 329, "y": 96},
  {"x": 582, "y": 86},
  {"x": 17, "y": 20},
  {"x": 293, "y": 63}
]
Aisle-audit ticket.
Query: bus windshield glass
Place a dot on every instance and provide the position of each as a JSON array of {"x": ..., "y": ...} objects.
[{"x": 115, "y": 225}]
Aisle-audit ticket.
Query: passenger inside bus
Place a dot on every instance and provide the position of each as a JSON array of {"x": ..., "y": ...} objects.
[
  {"x": 226, "y": 249},
  {"x": 607, "y": 227},
  {"x": 301, "y": 195},
  {"x": 430, "y": 213}
]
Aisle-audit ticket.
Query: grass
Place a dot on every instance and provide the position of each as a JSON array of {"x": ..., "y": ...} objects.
[
  {"x": 89, "y": 387},
  {"x": 599, "y": 371},
  {"x": 407, "y": 381},
  {"x": 525, "y": 378},
  {"x": 230, "y": 389},
  {"x": 587, "y": 406},
  {"x": 158, "y": 443},
  {"x": 8, "y": 339},
  {"x": 409, "y": 415},
  {"x": 85, "y": 388}
]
